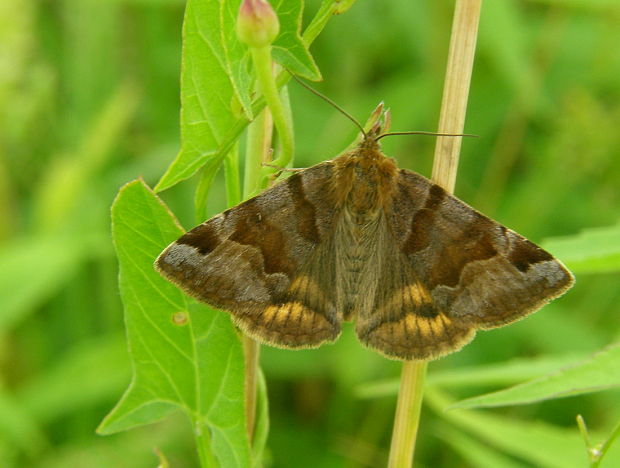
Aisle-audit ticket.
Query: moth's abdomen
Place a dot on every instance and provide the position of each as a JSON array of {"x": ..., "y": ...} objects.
[{"x": 357, "y": 259}]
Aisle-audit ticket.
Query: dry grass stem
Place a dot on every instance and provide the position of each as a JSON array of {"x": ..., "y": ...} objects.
[{"x": 452, "y": 120}]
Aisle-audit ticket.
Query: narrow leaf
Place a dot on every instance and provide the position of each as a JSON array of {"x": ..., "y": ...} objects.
[
  {"x": 591, "y": 251},
  {"x": 504, "y": 373},
  {"x": 600, "y": 372},
  {"x": 542, "y": 445},
  {"x": 477, "y": 454},
  {"x": 261, "y": 430},
  {"x": 602, "y": 6}
]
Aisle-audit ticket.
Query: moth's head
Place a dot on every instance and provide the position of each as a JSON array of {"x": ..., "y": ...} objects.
[{"x": 377, "y": 124}]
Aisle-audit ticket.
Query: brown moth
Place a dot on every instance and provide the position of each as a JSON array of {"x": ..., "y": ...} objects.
[{"x": 357, "y": 238}]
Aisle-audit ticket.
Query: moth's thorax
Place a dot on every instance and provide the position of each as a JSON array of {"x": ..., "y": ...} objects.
[{"x": 364, "y": 180}]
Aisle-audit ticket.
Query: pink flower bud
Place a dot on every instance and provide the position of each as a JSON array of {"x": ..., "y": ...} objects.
[{"x": 257, "y": 23}]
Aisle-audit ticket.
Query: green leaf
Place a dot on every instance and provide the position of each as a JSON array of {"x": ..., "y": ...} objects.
[
  {"x": 600, "y": 372},
  {"x": 289, "y": 49},
  {"x": 543, "y": 445},
  {"x": 602, "y": 6},
  {"x": 591, "y": 251},
  {"x": 215, "y": 86},
  {"x": 184, "y": 354},
  {"x": 216, "y": 83},
  {"x": 509, "y": 372},
  {"x": 477, "y": 454}
]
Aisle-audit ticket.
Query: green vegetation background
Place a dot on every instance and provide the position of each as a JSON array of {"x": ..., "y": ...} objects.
[{"x": 89, "y": 100}]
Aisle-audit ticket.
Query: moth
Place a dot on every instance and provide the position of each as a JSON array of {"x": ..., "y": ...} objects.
[{"x": 357, "y": 239}]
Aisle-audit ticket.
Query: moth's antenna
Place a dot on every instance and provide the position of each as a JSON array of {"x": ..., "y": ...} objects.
[
  {"x": 336, "y": 106},
  {"x": 359, "y": 126},
  {"x": 426, "y": 133}
]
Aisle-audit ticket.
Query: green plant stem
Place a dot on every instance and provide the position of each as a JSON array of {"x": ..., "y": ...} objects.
[
  {"x": 583, "y": 429},
  {"x": 231, "y": 174},
  {"x": 251, "y": 350},
  {"x": 288, "y": 113},
  {"x": 597, "y": 452},
  {"x": 615, "y": 434},
  {"x": 407, "y": 417},
  {"x": 258, "y": 150},
  {"x": 256, "y": 178},
  {"x": 207, "y": 176},
  {"x": 261, "y": 58},
  {"x": 203, "y": 443}
]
